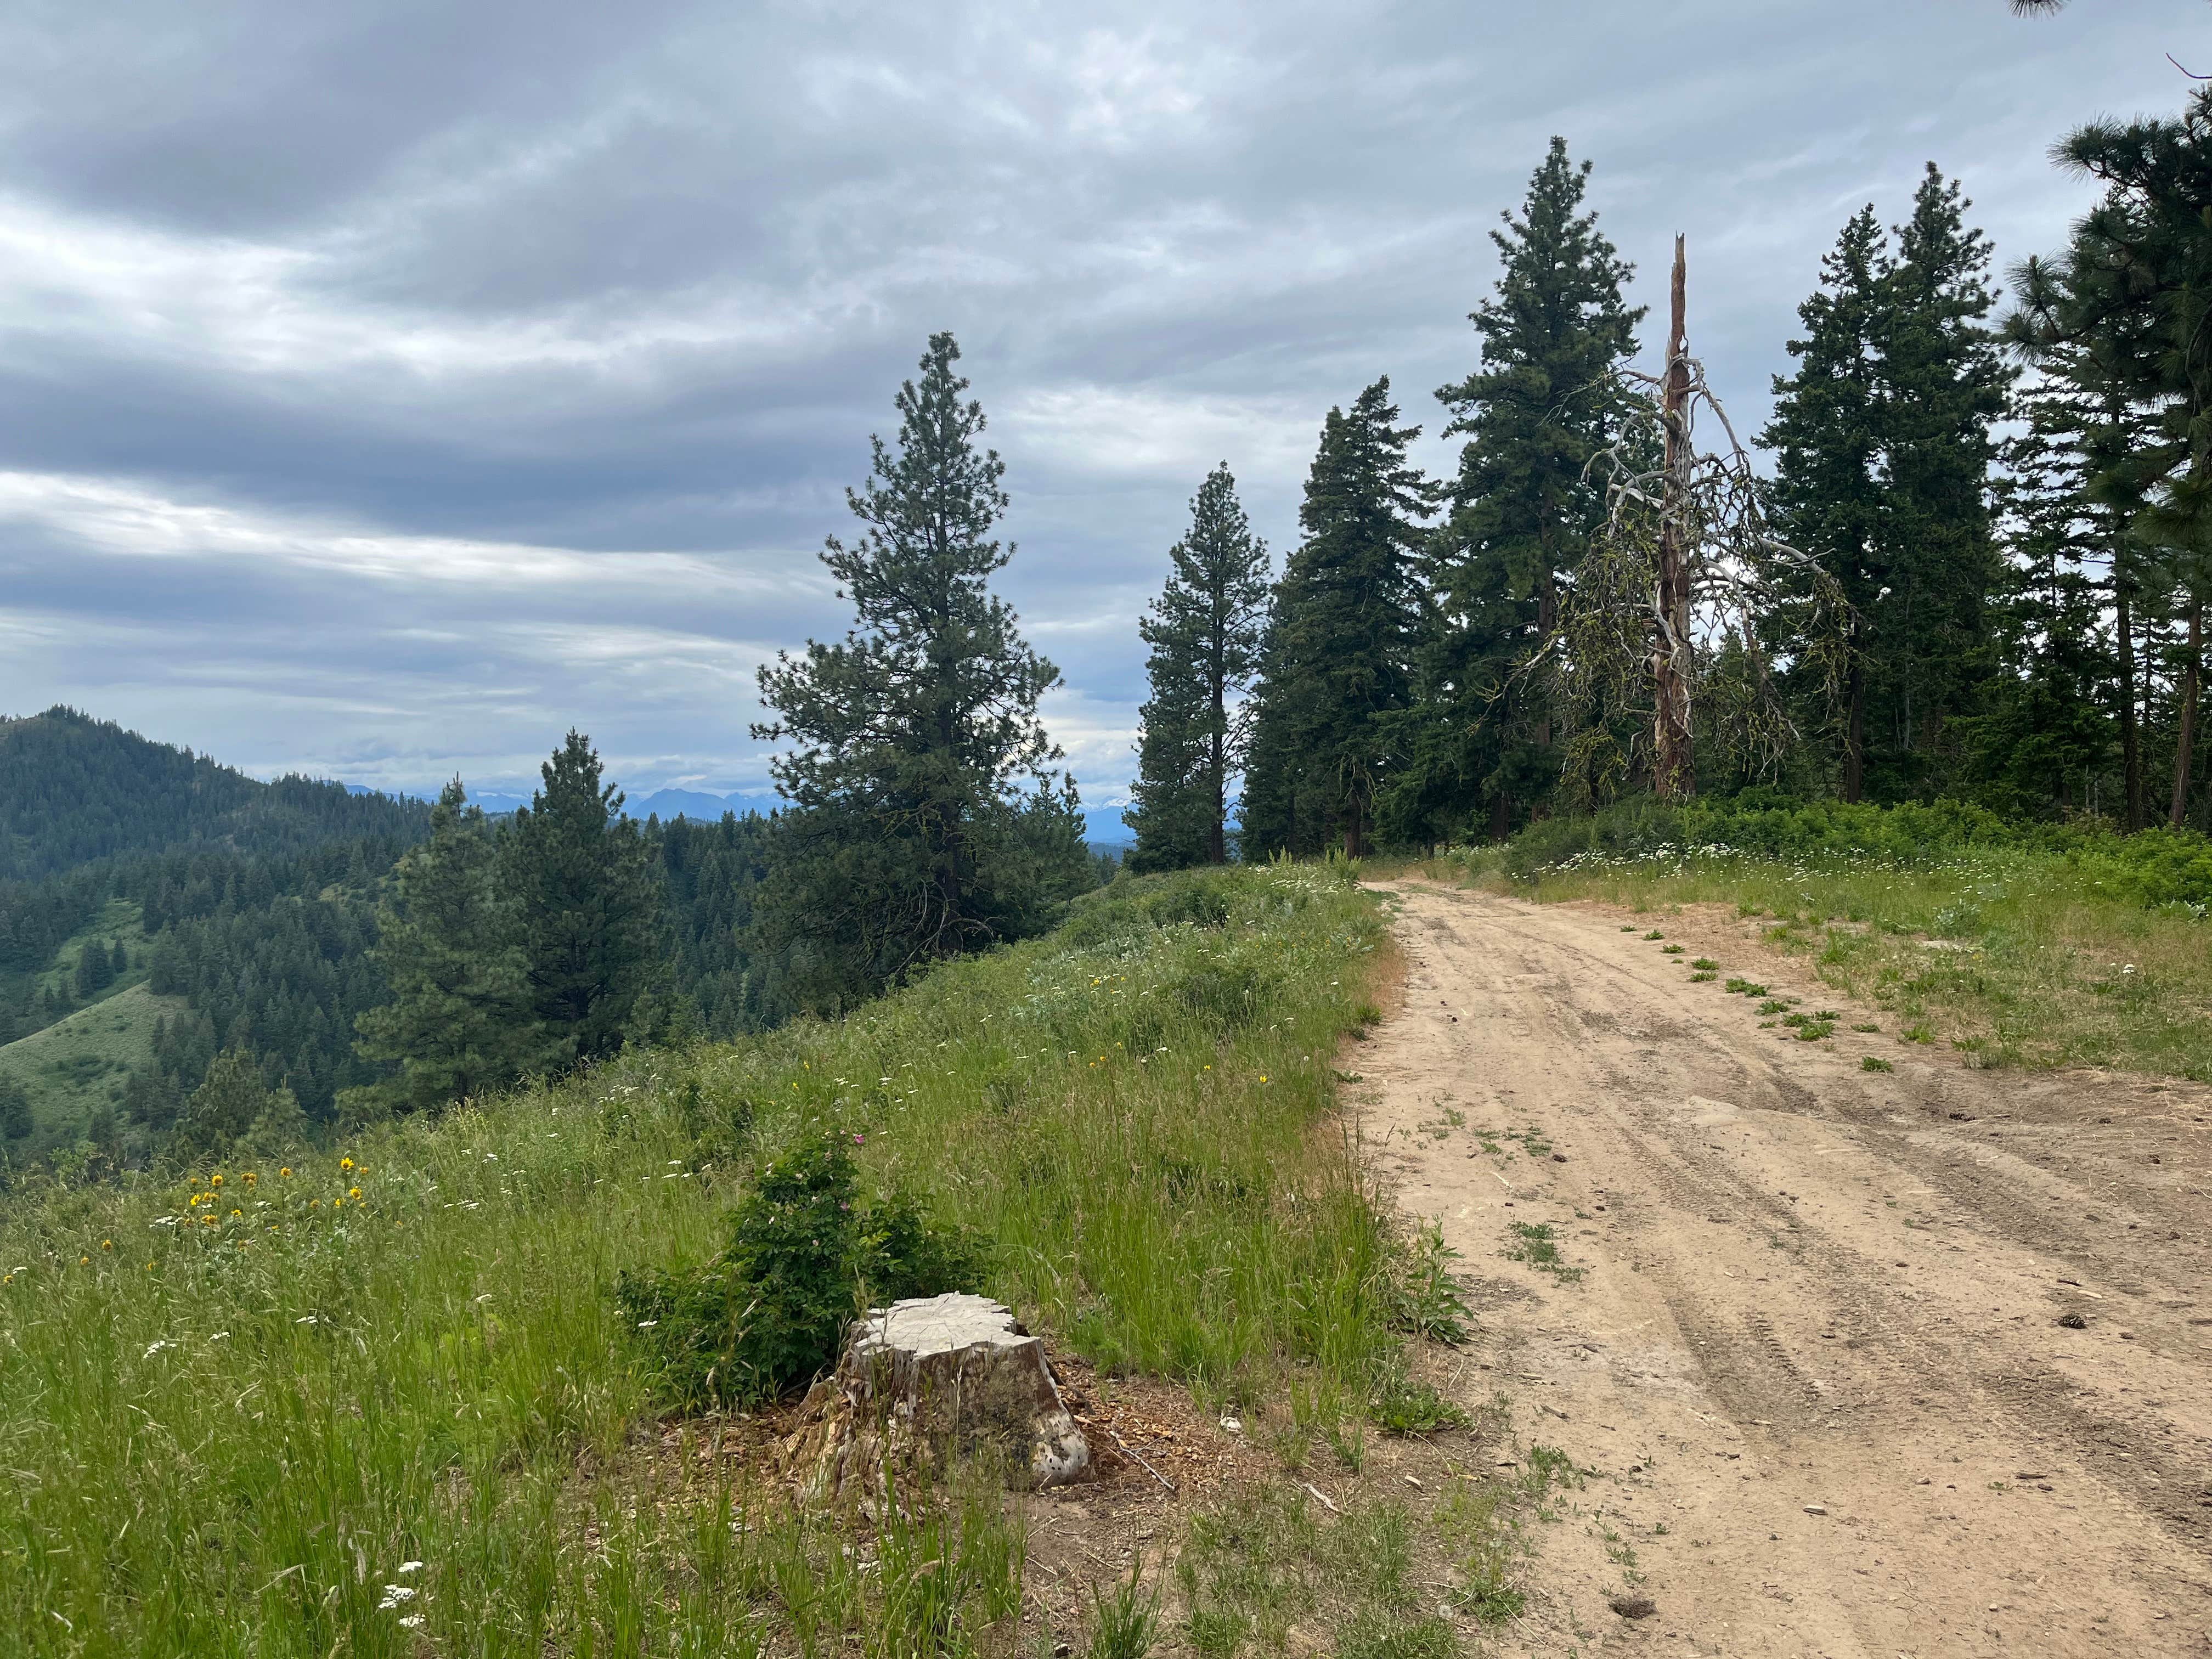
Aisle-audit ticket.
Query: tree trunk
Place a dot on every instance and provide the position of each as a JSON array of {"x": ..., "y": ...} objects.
[
  {"x": 2192, "y": 674},
  {"x": 2130, "y": 734},
  {"x": 1217, "y": 737},
  {"x": 1501, "y": 815},
  {"x": 1854, "y": 732},
  {"x": 1673, "y": 768},
  {"x": 1547, "y": 615}
]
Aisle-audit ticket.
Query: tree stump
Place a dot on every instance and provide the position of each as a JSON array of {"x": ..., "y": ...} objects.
[{"x": 929, "y": 1382}]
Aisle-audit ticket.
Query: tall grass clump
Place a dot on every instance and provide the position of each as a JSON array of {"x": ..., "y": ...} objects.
[
  {"x": 386, "y": 1399},
  {"x": 2039, "y": 943}
]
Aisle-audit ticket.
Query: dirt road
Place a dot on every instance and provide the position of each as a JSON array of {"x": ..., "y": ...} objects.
[{"x": 1815, "y": 1356}]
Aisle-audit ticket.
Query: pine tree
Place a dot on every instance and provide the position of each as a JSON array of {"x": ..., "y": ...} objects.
[
  {"x": 2044, "y": 739},
  {"x": 1336, "y": 663},
  {"x": 1521, "y": 509},
  {"x": 1884, "y": 451},
  {"x": 582, "y": 882},
  {"x": 1204, "y": 631},
  {"x": 1946, "y": 385},
  {"x": 225, "y": 1112},
  {"x": 928, "y": 819},
  {"x": 15, "y": 1110},
  {"x": 2135, "y": 292},
  {"x": 1828, "y": 433},
  {"x": 460, "y": 1020}
]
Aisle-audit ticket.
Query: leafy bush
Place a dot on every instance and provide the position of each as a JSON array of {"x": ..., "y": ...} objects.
[{"x": 806, "y": 1254}]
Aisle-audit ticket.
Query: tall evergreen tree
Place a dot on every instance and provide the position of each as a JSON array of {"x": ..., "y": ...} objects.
[
  {"x": 1884, "y": 451},
  {"x": 2044, "y": 740},
  {"x": 15, "y": 1110},
  {"x": 1204, "y": 631},
  {"x": 1947, "y": 385},
  {"x": 2138, "y": 274},
  {"x": 581, "y": 878},
  {"x": 929, "y": 820},
  {"x": 1336, "y": 667},
  {"x": 461, "y": 1018},
  {"x": 1828, "y": 435},
  {"x": 1522, "y": 508}
]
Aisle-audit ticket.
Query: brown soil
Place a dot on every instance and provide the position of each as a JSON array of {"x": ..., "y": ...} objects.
[{"x": 1817, "y": 1335}]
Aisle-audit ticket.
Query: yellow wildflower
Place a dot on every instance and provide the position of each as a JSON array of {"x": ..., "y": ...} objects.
[
  {"x": 286, "y": 1172},
  {"x": 345, "y": 1163},
  {"x": 353, "y": 1192},
  {"x": 106, "y": 1243},
  {"x": 214, "y": 1181}
]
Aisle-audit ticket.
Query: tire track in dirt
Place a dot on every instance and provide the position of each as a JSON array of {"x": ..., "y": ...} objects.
[{"x": 1811, "y": 1288}]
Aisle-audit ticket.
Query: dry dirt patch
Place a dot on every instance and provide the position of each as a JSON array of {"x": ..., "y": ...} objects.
[{"x": 1802, "y": 1319}]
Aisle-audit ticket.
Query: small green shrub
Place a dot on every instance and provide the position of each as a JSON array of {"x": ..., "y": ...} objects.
[
  {"x": 1419, "y": 1292},
  {"x": 806, "y": 1253},
  {"x": 1744, "y": 988},
  {"x": 1874, "y": 1063}
]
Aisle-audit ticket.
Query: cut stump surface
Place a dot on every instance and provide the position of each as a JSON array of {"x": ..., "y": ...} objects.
[{"x": 932, "y": 1380}]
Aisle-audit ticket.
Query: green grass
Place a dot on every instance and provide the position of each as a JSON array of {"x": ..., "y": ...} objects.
[
  {"x": 2016, "y": 954},
  {"x": 78, "y": 1064},
  {"x": 1536, "y": 1243},
  {"x": 234, "y": 1414},
  {"x": 1272, "y": 1562}
]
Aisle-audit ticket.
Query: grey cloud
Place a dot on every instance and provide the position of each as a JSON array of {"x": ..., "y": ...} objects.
[{"x": 634, "y": 284}]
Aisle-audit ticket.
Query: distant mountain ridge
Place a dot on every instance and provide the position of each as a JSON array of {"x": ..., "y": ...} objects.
[
  {"x": 75, "y": 790},
  {"x": 1103, "y": 825},
  {"x": 663, "y": 803}
]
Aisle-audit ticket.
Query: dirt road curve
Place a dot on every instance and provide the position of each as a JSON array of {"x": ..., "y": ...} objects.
[{"x": 1815, "y": 1357}]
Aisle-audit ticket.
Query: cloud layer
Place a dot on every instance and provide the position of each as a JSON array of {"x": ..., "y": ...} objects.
[{"x": 384, "y": 387}]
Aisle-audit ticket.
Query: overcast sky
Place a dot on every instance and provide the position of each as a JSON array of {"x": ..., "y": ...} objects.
[{"x": 385, "y": 387}]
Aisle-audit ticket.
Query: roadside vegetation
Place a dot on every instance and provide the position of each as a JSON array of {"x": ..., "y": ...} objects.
[
  {"x": 2036, "y": 945},
  {"x": 386, "y": 1398}
]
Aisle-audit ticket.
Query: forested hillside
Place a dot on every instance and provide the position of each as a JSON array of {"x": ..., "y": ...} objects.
[{"x": 156, "y": 907}]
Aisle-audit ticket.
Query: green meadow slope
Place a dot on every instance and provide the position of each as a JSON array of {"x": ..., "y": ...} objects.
[{"x": 74, "y": 1067}]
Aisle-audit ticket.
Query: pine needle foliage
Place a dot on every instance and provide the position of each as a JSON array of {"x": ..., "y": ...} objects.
[
  {"x": 586, "y": 905},
  {"x": 928, "y": 819},
  {"x": 1337, "y": 663},
  {"x": 1204, "y": 632},
  {"x": 461, "y": 1019},
  {"x": 1520, "y": 511}
]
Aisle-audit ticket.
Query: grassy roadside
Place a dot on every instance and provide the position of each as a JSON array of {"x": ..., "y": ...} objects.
[
  {"x": 382, "y": 1401},
  {"x": 2018, "y": 954}
]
